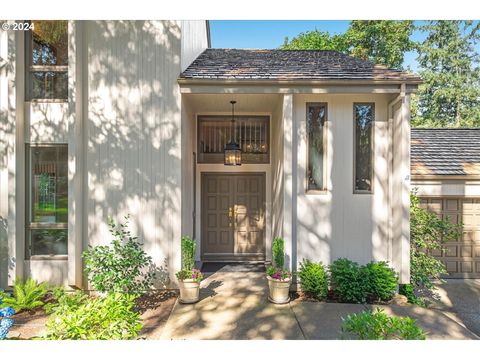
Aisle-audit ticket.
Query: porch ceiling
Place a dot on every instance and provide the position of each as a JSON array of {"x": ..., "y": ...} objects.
[{"x": 246, "y": 103}]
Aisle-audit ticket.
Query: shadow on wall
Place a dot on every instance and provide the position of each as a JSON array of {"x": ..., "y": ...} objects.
[{"x": 133, "y": 133}]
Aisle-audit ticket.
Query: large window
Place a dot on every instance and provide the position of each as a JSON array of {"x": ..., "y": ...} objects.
[
  {"x": 251, "y": 133},
  {"x": 316, "y": 146},
  {"x": 364, "y": 123},
  {"x": 47, "y": 60},
  {"x": 47, "y": 200}
]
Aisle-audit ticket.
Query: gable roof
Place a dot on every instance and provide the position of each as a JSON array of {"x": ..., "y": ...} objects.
[
  {"x": 445, "y": 151},
  {"x": 245, "y": 64}
]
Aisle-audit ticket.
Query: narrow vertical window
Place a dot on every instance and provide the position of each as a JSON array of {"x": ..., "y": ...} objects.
[
  {"x": 47, "y": 60},
  {"x": 316, "y": 146},
  {"x": 47, "y": 199},
  {"x": 364, "y": 122}
]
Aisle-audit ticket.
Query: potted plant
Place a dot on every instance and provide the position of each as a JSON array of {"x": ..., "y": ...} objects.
[
  {"x": 188, "y": 277},
  {"x": 279, "y": 278}
]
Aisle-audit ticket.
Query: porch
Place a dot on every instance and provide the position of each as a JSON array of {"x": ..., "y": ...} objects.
[{"x": 234, "y": 211}]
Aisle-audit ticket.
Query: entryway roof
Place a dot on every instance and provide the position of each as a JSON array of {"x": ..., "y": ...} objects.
[{"x": 245, "y": 64}]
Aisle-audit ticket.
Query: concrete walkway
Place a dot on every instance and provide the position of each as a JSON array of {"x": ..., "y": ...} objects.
[
  {"x": 460, "y": 299},
  {"x": 233, "y": 305}
]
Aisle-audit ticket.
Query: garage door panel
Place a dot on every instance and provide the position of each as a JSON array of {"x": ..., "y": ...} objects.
[{"x": 461, "y": 256}]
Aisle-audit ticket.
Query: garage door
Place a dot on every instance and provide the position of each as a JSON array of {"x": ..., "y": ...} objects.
[{"x": 462, "y": 256}]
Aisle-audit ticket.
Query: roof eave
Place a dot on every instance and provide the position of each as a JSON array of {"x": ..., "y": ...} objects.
[{"x": 294, "y": 82}]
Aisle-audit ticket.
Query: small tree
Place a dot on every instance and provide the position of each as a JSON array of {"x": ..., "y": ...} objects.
[
  {"x": 188, "y": 253},
  {"x": 427, "y": 232},
  {"x": 278, "y": 252},
  {"x": 121, "y": 267}
]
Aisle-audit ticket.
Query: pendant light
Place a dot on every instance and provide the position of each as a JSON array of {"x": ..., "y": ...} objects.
[{"x": 233, "y": 153}]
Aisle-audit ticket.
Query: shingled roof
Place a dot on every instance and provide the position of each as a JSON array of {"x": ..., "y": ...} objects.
[
  {"x": 244, "y": 64},
  {"x": 445, "y": 151}
]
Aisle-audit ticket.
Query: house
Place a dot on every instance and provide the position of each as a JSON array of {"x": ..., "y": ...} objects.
[
  {"x": 109, "y": 118},
  {"x": 445, "y": 167}
]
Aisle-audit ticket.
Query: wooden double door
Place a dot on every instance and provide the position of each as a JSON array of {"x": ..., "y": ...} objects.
[{"x": 233, "y": 216}]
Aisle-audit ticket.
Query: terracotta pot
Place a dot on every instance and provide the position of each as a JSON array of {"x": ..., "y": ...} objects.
[
  {"x": 279, "y": 290},
  {"x": 189, "y": 291}
]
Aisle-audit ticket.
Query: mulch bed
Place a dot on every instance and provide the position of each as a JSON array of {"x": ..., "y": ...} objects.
[
  {"x": 332, "y": 297},
  {"x": 155, "y": 308}
]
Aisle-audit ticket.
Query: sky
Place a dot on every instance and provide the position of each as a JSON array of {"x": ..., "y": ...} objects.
[{"x": 260, "y": 34}]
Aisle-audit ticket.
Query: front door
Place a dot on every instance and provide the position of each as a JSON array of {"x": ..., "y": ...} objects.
[{"x": 233, "y": 216}]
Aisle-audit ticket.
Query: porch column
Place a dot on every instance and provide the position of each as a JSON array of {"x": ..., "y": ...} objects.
[
  {"x": 77, "y": 64},
  {"x": 401, "y": 188},
  {"x": 289, "y": 181}
]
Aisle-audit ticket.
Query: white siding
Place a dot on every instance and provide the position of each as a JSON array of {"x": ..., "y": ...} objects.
[
  {"x": 133, "y": 133},
  {"x": 194, "y": 40},
  {"x": 340, "y": 223}
]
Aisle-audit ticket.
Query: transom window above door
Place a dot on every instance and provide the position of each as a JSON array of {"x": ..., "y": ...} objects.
[{"x": 252, "y": 133}]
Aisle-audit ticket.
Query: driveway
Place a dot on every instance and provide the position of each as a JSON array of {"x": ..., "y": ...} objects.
[
  {"x": 460, "y": 299},
  {"x": 233, "y": 305}
]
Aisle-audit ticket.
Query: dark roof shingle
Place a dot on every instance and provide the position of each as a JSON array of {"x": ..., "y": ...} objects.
[
  {"x": 445, "y": 151},
  {"x": 244, "y": 64}
]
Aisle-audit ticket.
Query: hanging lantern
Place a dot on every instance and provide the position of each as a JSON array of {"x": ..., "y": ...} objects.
[{"x": 233, "y": 153}]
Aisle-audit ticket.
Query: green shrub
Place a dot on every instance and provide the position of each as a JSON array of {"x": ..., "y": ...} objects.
[
  {"x": 408, "y": 290},
  {"x": 27, "y": 295},
  {"x": 121, "y": 267},
  {"x": 188, "y": 246},
  {"x": 426, "y": 233},
  {"x": 349, "y": 280},
  {"x": 62, "y": 301},
  {"x": 108, "y": 318},
  {"x": 278, "y": 253},
  {"x": 382, "y": 280},
  {"x": 369, "y": 325},
  {"x": 313, "y": 279}
]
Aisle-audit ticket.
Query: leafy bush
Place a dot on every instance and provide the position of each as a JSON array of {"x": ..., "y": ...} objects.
[
  {"x": 408, "y": 290},
  {"x": 426, "y": 233},
  {"x": 121, "y": 267},
  {"x": 188, "y": 253},
  {"x": 193, "y": 274},
  {"x": 382, "y": 280},
  {"x": 278, "y": 252},
  {"x": 369, "y": 325},
  {"x": 102, "y": 318},
  {"x": 27, "y": 295},
  {"x": 313, "y": 279},
  {"x": 349, "y": 280},
  {"x": 62, "y": 301}
]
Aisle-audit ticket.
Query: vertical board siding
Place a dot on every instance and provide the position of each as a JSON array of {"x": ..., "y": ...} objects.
[
  {"x": 133, "y": 132},
  {"x": 339, "y": 223}
]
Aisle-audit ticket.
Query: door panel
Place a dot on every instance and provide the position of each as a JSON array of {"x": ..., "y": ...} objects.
[
  {"x": 460, "y": 256},
  {"x": 241, "y": 235},
  {"x": 217, "y": 232}
]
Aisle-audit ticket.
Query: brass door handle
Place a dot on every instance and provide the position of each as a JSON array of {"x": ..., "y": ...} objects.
[{"x": 230, "y": 216}]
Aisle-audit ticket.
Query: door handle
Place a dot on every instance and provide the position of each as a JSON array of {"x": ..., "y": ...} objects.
[{"x": 230, "y": 216}]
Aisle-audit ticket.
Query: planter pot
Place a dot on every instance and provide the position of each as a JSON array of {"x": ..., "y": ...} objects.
[
  {"x": 189, "y": 291},
  {"x": 278, "y": 290}
]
